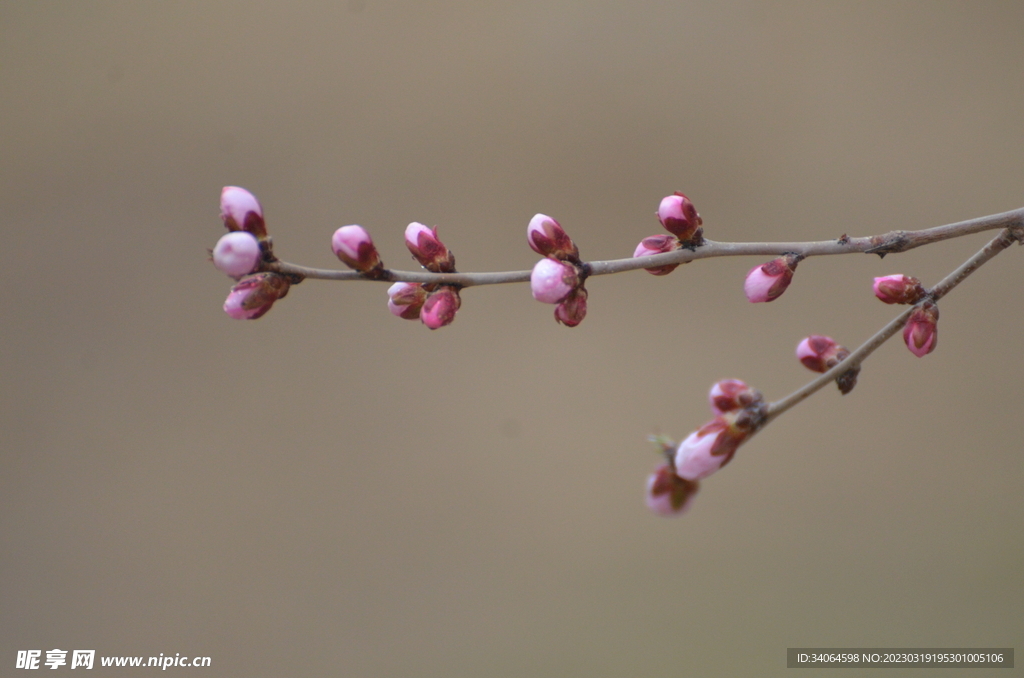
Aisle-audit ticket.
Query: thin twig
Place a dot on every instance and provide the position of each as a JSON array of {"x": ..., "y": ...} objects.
[{"x": 888, "y": 243}]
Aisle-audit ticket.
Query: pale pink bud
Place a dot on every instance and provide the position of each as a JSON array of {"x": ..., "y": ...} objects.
[
  {"x": 709, "y": 448},
  {"x": 668, "y": 494},
  {"x": 678, "y": 215},
  {"x": 240, "y": 211},
  {"x": 768, "y": 281},
  {"x": 254, "y": 295},
  {"x": 819, "y": 353},
  {"x": 547, "y": 238},
  {"x": 898, "y": 289},
  {"x": 571, "y": 310},
  {"x": 236, "y": 253},
  {"x": 427, "y": 249},
  {"x": 552, "y": 280},
  {"x": 657, "y": 244},
  {"x": 440, "y": 307},
  {"x": 353, "y": 245},
  {"x": 729, "y": 395},
  {"x": 921, "y": 332},
  {"x": 406, "y": 299}
]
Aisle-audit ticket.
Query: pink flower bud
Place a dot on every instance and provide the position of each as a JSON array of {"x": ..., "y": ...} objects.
[
  {"x": 352, "y": 244},
  {"x": 440, "y": 307},
  {"x": 254, "y": 295},
  {"x": 898, "y": 289},
  {"x": 428, "y": 250},
  {"x": 819, "y": 353},
  {"x": 236, "y": 253},
  {"x": 668, "y": 494},
  {"x": 730, "y": 395},
  {"x": 547, "y": 238},
  {"x": 240, "y": 211},
  {"x": 406, "y": 299},
  {"x": 769, "y": 281},
  {"x": 571, "y": 311},
  {"x": 678, "y": 215},
  {"x": 713, "y": 445},
  {"x": 657, "y": 244},
  {"x": 921, "y": 332},
  {"x": 552, "y": 280},
  {"x": 709, "y": 448}
]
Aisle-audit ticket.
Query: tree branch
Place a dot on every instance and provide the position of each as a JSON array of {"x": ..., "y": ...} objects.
[{"x": 887, "y": 243}]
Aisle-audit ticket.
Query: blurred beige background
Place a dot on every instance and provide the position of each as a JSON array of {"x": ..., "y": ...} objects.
[{"x": 333, "y": 491}]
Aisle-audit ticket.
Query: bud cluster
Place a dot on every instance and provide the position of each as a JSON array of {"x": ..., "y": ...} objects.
[
  {"x": 241, "y": 254},
  {"x": 739, "y": 411},
  {"x": 558, "y": 277},
  {"x": 921, "y": 333},
  {"x": 679, "y": 217},
  {"x": 435, "y": 304}
]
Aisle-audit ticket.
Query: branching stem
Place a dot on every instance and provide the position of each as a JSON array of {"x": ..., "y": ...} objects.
[{"x": 1014, "y": 232}]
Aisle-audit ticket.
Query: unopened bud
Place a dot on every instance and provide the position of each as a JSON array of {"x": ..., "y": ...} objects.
[
  {"x": 547, "y": 238},
  {"x": 657, "y": 244},
  {"x": 405, "y": 299},
  {"x": 353, "y": 245},
  {"x": 240, "y": 211},
  {"x": 440, "y": 307},
  {"x": 768, "y": 281},
  {"x": 898, "y": 289},
  {"x": 668, "y": 494},
  {"x": 237, "y": 253},
  {"x": 254, "y": 295},
  {"x": 573, "y": 309},
  {"x": 552, "y": 280},
  {"x": 428, "y": 250},
  {"x": 729, "y": 395},
  {"x": 921, "y": 333},
  {"x": 710, "y": 448},
  {"x": 819, "y": 353},
  {"x": 678, "y": 215}
]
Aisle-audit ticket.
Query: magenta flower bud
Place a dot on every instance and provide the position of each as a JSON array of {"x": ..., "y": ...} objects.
[
  {"x": 709, "y": 448},
  {"x": 678, "y": 215},
  {"x": 552, "y": 280},
  {"x": 573, "y": 309},
  {"x": 668, "y": 494},
  {"x": 237, "y": 253},
  {"x": 240, "y": 211},
  {"x": 657, "y": 244},
  {"x": 730, "y": 395},
  {"x": 406, "y": 299},
  {"x": 353, "y": 245},
  {"x": 254, "y": 295},
  {"x": 898, "y": 289},
  {"x": 427, "y": 249},
  {"x": 921, "y": 332},
  {"x": 768, "y": 281},
  {"x": 547, "y": 238},
  {"x": 440, "y": 307}
]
